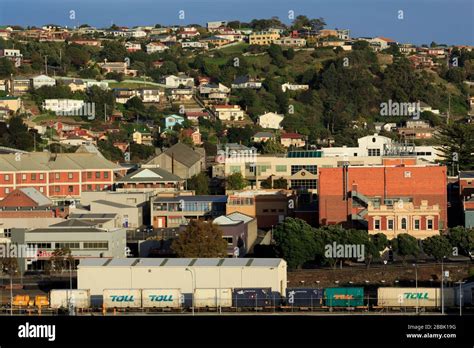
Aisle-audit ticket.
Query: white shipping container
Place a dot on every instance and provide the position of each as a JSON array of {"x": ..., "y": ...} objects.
[
  {"x": 122, "y": 298},
  {"x": 413, "y": 297},
  {"x": 62, "y": 298},
  {"x": 212, "y": 298},
  {"x": 162, "y": 298}
]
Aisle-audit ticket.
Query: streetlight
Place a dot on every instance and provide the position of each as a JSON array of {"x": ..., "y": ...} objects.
[
  {"x": 460, "y": 296},
  {"x": 416, "y": 285},
  {"x": 442, "y": 284},
  {"x": 192, "y": 286}
]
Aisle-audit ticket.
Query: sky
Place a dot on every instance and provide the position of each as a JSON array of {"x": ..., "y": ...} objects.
[{"x": 424, "y": 21}]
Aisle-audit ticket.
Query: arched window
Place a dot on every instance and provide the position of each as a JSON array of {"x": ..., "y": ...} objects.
[{"x": 404, "y": 224}]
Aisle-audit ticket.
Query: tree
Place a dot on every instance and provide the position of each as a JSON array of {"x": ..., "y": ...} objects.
[
  {"x": 272, "y": 146},
  {"x": 463, "y": 239},
  {"x": 267, "y": 183},
  {"x": 280, "y": 183},
  {"x": 199, "y": 183},
  {"x": 296, "y": 242},
  {"x": 456, "y": 138},
  {"x": 77, "y": 55},
  {"x": 114, "y": 51},
  {"x": 200, "y": 239},
  {"x": 236, "y": 181},
  {"x": 437, "y": 246},
  {"x": 6, "y": 68},
  {"x": 406, "y": 245},
  {"x": 60, "y": 259},
  {"x": 290, "y": 53}
]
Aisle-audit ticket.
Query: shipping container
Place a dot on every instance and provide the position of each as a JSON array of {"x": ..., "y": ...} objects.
[
  {"x": 344, "y": 297},
  {"x": 212, "y": 298},
  {"x": 252, "y": 297},
  {"x": 467, "y": 291},
  {"x": 304, "y": 297},
  {"x": 162, "y": 298},
  {"x": 414, "y": 297},
  {"x": 62, "y": 298},
  {"x": 41, "y": 301},
  {"x": 122, "y": 298}
]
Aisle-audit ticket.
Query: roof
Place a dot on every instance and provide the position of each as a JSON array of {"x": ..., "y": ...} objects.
[
  {"x": 197, "y": 198},
  {"x": 183, "y": 154},
  {"x": 36, "y": 196},
  {"x": 112, "y": 204},
  {"x": 45, "y": 161},
  {"x": 232, "y": 219},
  {"x": 466, "y": 174},
  {"x": 73, "y": 223},
  {"x": 150, "y": 175},
  {"x": 93, "y": 216},
  {"x": 263, "y": 135},
  {"x": 291, "y": 136},
  {"x": 180, "y": 262}
]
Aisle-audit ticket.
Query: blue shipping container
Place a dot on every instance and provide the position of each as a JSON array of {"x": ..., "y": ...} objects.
[{"x": 304, "y": 297}]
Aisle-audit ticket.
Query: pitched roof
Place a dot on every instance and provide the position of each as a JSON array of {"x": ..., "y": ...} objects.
[
  {"x": 183, "y": 154},
  {"x": 263, "y": 135},
  {"x": 36, "y": 196},
  {"x": 150, "y": 175},
  {"x": 112, "y": 204}
]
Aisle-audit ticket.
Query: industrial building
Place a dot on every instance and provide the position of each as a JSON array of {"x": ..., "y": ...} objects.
[{"x": 185, "y": 274}]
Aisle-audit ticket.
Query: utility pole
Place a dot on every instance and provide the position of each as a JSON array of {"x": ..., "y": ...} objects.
[
  {"x": 460, "y": 296},
  {"x": 46, "y": 65}
]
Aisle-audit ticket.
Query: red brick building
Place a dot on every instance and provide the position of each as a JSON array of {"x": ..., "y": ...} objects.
[
  {"x": 59, "y": 176},
  {"x": 370, "y": 196}
]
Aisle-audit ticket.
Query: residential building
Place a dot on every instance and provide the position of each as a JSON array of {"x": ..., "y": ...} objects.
[
  {"x": 261, "y": 137},
  {"x": 292, "y": 140},
  {"x": 13, "y": 55},
  {"x": 133, "y": 46},
  {"x": 130, "y": 216},
  {"x": 11, "y": 103},
  {"x": 173, "y": 120},
  {"x": 215, "y": 25},
  {"x": 63, "y": 106},
  {"x": 150, "y": 180},
  {"x": 345, "y": 194},
  {"x": 149, "y": 95},
  {"x": 193, "y": 134},
  {"x": 101, "y": 84},
  {"x": 142, "y": 138},
  {"x": 195, "y": 44},
  {"x": 228, "y": 112},
  {"x": 291, "y": 42},
  {"x": 117, "y": 67},
  {"x": 182, "y": 94},
  {"x": 75, "y": 84},
  {"x": 217, "y": 41},
  {"x": 154, "y": 47},
  {"x": 246, "y": 82},
  {"x": 180, "y": 160},
  {"x": 172, "y": 81},
  {"x": 240, "y": 232},
  {"x": 61, "y": 176},
  {"x": 214, "y": 92},
  {"x": 293, "y": 87},
  {"x": 263, "y": 38},
  {"x": 19, "y": 85},
  {"x": 466, "y": 196},
  {"x": 84, "y": 239},
  {"x": 42, "y": 80},
  {"x": 270, "y": 120},
  {"x": 179, "y": 210}
]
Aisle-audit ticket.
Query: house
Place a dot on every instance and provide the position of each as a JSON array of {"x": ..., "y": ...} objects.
[
  {"x": 173, "y": 120},
  {"x": 172, "y": 81},
  {"x": 261, "y": 137},
  {"x": 122, "y": 95},
  {"x": 86, "y": 42},
  {"x": 216, "y": 41},
  {"x": 11, "y": 103},
  {"x": 142, "y": 138},
  {"x": 42, "y": 80},
  {"x": 101, "y": 84},
  {"x": 292, "y": 139},
  {"x": 229, "y": 112},
  {"x": 19, "y": 85},
  {"x": 64, "y": 106},
  {"x": 133, "y": 46},
  {"x": 154, "y": 47},
  {"x": 12, "y": 55},
  {"x": 293, "y": 87},
  {"x": 193, "y": 116},
  {"x": 179, "y": 210},
  {"x": 188, "y": 33},
  {"x": 180, "y": 160},
  {"x": 182, "y": 94},
  {"x": 149, "y": 95},
  {"x": 194, "y": 44},
  {"x": 240, "y": 232},
  {"x": 122, "y": 146},
  {"x": 419, "y": 61},
  {"x": 216, "y": 92},
  {"x": 246, "y": 82},
  {"x": 215, "y": 25},
  {"x": 379, "y": 43},
  {"x": 263, "y": 38},
  {"x": 270, "y": 120},
  {"x": 75, "y": 84},
  {"x": 194, "y": 134},
  {"x": 290, "y": 42},
  {"x": 117, "y": 67},
  {"x": 150, "y": 180}
]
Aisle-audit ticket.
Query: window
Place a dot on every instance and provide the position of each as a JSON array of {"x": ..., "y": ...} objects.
[
  {"x": 41, "y": 189},
  {"x": 97, "y": 175},
  {"x": 310, "y": 168},
  {"x": 68, "y": 245},
  {"x": 106, "y": 175},
  {"x": 280, "y": 168},
  {"x": 374, "y": 152},
  {"x": 33, "y": 176},
  {"x": 89, "y": 175},
  {"x": 7, "y": 190},
  {"x": 69, "y": 176},
  {"x": 70, "y": 189},
  {"x": 23, "y": 177},
  {"x": 404, "y": 224},
  {"x": 407, "y": 174},
  {"x": 41, "y": 176},
  {"x": 56, "y": 176},
  {"x": 417, "y": 224},
  {"x": 390, "y": 224},
  {"x": 96, "y": 245},
  {"x": 265, "y": 210},
  {"x": 7, "y": 177},
  {"x": 310, "y": 184},
  {"x": 39, "y": 245},
  {"x": 376, "y": 224},
  {"x": 89, "y": 187},
  {"x": 97, "y": 187},
  {"x": 430, "y": 224},
  {"x": 235, "y": 169},
  {"x": 229, "y": 240}
]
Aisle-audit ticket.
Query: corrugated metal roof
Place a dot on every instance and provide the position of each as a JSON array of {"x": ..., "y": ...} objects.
[
  {"x": 199, "y": 198},
  {"x": 182, "y": 262},
  {"x": 36, "y": 196}
]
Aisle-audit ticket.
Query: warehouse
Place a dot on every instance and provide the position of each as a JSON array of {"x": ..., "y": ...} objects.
[{"x": 185, "y": 274}]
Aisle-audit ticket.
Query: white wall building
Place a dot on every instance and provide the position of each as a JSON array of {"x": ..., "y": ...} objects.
[
  {"x": 63, "y": 105},
  {"x": 42, "y": 80},
  {"x": 270, "y": 120}
]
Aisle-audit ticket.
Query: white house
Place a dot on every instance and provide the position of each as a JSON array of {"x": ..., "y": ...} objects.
[
  {"x": 101, "y": 84},
  {"x": 173, "y": 81},
  {"x": 270, "y": 120},
  {"x": 229, "y": 112},
  {"x": 63, "y": 106},
  {"x": 153, "y": 47},
  {"x": 292, "y": 87},
  {"x": 42, "y": 80},
  {"x": 133, "y": 46},
  {"x": 246, "y": 82},
  {"x": 194, "y": 44}
]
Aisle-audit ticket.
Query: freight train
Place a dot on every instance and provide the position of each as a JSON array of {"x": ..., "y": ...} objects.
[{"x": 264, "y": 299}]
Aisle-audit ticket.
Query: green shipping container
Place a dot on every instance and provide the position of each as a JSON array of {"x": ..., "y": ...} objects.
[{"x": 344, "y": 297}]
